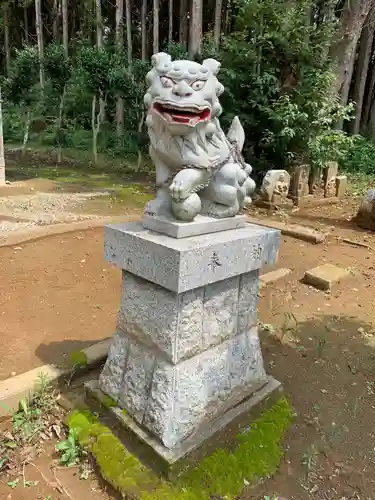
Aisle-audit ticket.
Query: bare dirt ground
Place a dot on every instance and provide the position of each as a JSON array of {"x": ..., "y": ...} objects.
[{"x": 57, "y": 295}]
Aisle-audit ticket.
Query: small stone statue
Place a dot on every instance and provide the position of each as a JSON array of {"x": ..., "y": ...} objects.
[
  {"x": 365, "y": 217},
  {"x": 198, "y": 169},
  {"x": 275, "y": 187}
]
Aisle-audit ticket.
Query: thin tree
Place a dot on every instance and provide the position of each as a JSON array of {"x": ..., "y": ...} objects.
[
  {"x": 99, "y": 43},
  {"x": 120, "y": 46},
  {"x": 26, "y": 24},
  {"x": 99, "y": 24},
  {"x": 184, "y": 22},
  {"x": 2, "y": 156},
  {"x": 217, "y": 25},
  {"x": 195, "y": 35},
  {"x": 55, "y": 22},
  {"x": 129, "y": 42},
  {"x": 170, "y": 19},
  {"x": 369, "y": 92},
  {"x": 155, "y": 44},
  {"x": 144, "y": 30},
  {"x": 39, "y": 33},
  {"x": 64, "y": 5},
  {"x": 6, "y": 38}
]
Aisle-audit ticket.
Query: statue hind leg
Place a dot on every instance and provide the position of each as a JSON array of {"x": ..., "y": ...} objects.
[{"x": 220, "y": 201}]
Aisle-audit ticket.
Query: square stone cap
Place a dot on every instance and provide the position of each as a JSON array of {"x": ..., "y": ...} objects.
[{"x": 187, "y": 263}]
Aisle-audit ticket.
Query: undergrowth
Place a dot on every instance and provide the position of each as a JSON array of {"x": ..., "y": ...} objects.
[
  {"x": 37, "y": 419},
  {"x": 257, "y": 454}
]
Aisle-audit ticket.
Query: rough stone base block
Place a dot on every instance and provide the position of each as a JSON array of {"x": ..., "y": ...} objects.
[
  {"x": 172, "y": 401},
  {"x": 201, "y": 225},
  {"x": 218, "y": 432}
]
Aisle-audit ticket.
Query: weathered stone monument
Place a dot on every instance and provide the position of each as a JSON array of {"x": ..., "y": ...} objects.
[
  {"x": 365, "y": 217},
  {"x": 186, "y": 359},
  {"x": 275, "y": 189}
]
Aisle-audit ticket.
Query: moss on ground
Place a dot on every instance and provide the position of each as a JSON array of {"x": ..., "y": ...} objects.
[
  {"x": 78, "y": 359},
  {"x": 257, "y": 454}
]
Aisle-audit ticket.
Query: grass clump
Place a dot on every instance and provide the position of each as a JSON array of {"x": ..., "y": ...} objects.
[{"x": 257, "y": 454}]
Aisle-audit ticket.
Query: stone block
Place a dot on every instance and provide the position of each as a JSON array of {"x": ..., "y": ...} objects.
[
  {"x": 172, "y": 401},
  {"x": 200, "y": 225},
  {"x": 178, "y": 326},
  {"x": 219, "y": 432},
  {"x": 325, "y": 276},
  {"x": 187, "y": 263},
  {"x": 184, "y": 396},
  {"x": 329, "y": 176},
  {"x": 273, "y": 276},
  {"x": 111, "y": 377},
  {"x": 365, "y": 217},
  {"x": 299, "y": 184},
  {"x": 341, "y": 186}
]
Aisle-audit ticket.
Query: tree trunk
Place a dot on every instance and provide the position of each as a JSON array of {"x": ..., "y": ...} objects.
[
  {"x": 217, "y": 27},
  {"x": 365, "y": 46},
  {"x": 64, "y": 6},
  {"x": 59, "y": 125},
  {"x": 195, "y": 38},
  {"x": 170, "y": 24},
  {"x": 99, "y": 42},
  {"x": 120, "y": 47},
  {"x": 26, "y": 25},
  {"x": 344, "y": 50},
  {"x": 144, "y": 29},
  {"x": 184, "y": 22},
  {"x": 99, "y": 24},
  {"x": 39, "y": 32},
  {"x": 26, "y": 132},
  {"x": 369, "y": 95},
  {"x": 129, "y": 41},
  {"x": 6, "y": 38},
  {"x": 155, "y": 45},
  {"x": 96, "y": 124},
  {"x": 55, "y": 22},
  {"x": 2, "y": 156}
]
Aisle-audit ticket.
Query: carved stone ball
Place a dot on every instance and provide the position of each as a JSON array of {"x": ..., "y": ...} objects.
[{"x": 187, "y": 209}]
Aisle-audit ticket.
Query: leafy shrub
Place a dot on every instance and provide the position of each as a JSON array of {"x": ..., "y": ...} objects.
[{"x": 360, "y": 156}]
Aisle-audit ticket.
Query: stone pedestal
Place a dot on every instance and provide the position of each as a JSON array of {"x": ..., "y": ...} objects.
[{"x": 186, "y": 350}]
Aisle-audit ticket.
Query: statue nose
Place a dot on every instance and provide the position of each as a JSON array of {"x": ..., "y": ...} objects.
[{"x": 182, "y": 89}]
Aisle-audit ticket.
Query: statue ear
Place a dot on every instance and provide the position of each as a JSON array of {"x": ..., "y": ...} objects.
[
  {"x": 161, "y": 60},
  {"x": 212, "y": 65}
]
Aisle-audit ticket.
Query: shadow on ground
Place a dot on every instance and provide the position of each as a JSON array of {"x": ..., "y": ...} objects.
[
  {"x": 62, "y": 353},
  {"x": 327, "y": 368}
]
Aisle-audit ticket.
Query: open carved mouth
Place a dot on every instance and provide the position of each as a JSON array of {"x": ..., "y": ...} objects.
[{"x": 188, "y": 115}]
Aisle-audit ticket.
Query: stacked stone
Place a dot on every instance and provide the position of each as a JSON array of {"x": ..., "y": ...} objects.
[{"x": 186, "y": 348}]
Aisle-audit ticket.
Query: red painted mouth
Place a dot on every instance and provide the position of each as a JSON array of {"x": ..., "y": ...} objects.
[{"x": 186, "y": 115}]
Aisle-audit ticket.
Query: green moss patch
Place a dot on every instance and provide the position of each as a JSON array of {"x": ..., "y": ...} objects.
[
  {"x": 257, "y": 454},
  {"x": 78, "y": 359}
]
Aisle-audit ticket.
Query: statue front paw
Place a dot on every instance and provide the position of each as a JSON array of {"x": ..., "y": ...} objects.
[{"x": 179, "y": 190}]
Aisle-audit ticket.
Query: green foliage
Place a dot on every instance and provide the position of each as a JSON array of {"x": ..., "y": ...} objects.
[
  {"x": 359, "y": 157},
  {"x": 257, "y": 454},
  {"x": 58, "y": 68},
  {"x": 19, "y": 87},
  {"x": 275, "y": 69},
  {"x": 69, "y": 449}
]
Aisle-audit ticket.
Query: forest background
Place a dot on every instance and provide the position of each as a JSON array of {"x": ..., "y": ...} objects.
[{"x": 300, "y": 74}]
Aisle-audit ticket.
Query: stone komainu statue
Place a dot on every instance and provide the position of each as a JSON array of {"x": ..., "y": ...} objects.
[{"x": 199, "y": 170}]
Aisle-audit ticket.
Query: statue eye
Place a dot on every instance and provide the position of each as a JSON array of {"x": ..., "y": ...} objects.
[
  {"x": 166, "y": 82},
  {"x": 198, "y": 85}
]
